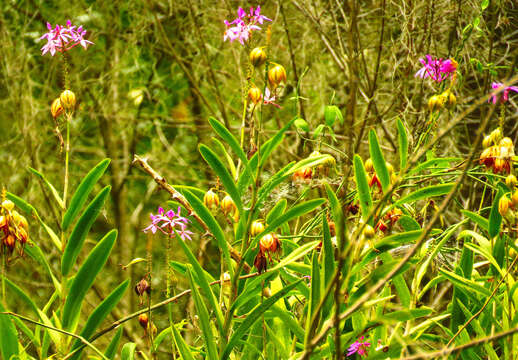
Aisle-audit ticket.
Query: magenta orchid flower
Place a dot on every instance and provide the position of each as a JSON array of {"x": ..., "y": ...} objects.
[
  {"x": 502, "y": 96},
  {"x": 269, "y": 98},
  {"x": 63, "y": 38},
  {"x": 241, "y": 27},
  {"x": 169, "y": 223},
  {"x": 358, "y": 347},
  {"x": 436, "y": 69}
]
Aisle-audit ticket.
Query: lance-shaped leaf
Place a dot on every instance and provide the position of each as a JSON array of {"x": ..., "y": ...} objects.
[
  {"x": 8, "y": 336},
  {"x": 209, "y": 220},
  {"x": 85, "y": 278},
  {"x": 181, "y": 345},
  {"x": 425, "y": 193},
  {"x": 378, "y": 161},
  {"x": 112, "y": 348},
  {"x": 52, "y": 189},
  {"x": 128, "y": 351},
  {"x": 83, "y": 226},
  {"x": 224, "y": 176},
  {"x": 253, "y": 316},
  {"x": 364, "y": 193},
  {"x": 203, "y": 315},
  {"x": 99, "y": 314},
  {"x": 83, "y": 190},
  {"x": 495, "y": 219}
]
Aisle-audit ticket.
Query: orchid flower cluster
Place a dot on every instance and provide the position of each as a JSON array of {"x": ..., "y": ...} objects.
[
  {"x": 358, "y": 347},
  {"x": 169, "y": 223},
  {"x": 63, "y": 38},
  {"x": 244, "y": 24},
  {"x": 436, "y": 69},
  {"x": 503, "y": 96}
]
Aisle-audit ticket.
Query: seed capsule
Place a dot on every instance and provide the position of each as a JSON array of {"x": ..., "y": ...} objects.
[
  {"x": 257, "y": 57},
  {"x": 56, "y": 108},
  {"x": 276, "y": 75},
  {"x": 68, "y": 99},
  {"x": 211, "y": 200},
  {"x": 142, "y": 287}
]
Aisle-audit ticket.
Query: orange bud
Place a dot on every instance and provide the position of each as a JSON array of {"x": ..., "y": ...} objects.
[
  {"x": 56, "y": 109},
  {"x": 276, "y": 75},
  {"x": 257, "y": 57},
  {"x": 254, "y": 94},
  {"x": 211, "y": 200},
  {"x": 68, "y": 99}
]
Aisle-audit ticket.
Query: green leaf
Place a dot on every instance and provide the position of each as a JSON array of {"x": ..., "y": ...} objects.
[
  {"x": 34, "y": 251},
  {"x": 9, "y": 337},
  {"x": 405, "y": 315},
  {"x": 337, "y": 212},
  {"x": 314, "y": 297},
  {"x": 408, "y": 223},
  {"x": 83, "y": 190},
  {"x": 226, "y": 135},
  {"x": 224, "y": 176},
  {"x": 270, "y": 145},
  {"x": 296, "y": 254},
  {"x": 85, "y": 278},
  {"x": 466, "y": 284},
  {"x": 484, "y": 4},
  {"x": 230, "y": 161},
  {"x": 434, "y": 164},
  {"x": 203, "y": 315},
  {"x": 364, "y": 193},
  {"x": 253, "y": 316},
  {"x": 99, "y": 314},
  {"x": 204, "y": 284},
  {"x": 112, "y": 348},
  {"x": 181, "y": 345},
  {"x": 403, "y": 144},
  {"x": 78, "y": 235},
  {"x": 495, "y": 219},
  {"x": 477, "y": 219},
  {"x": 378, "y": 161},
  {"x": 52, "y": 189},
  {"x": 128, "y": 351},
  {"x": 425, "y": 193},
  {"x": 22, "y": 296},
  {"x": 209, "y": 220}
]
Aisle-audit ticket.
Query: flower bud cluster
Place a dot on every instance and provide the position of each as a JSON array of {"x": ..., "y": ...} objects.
[
  {"x": 65, "y": 102},
  {"x": 268, "y": 244},
  {"x": 446, "y": 99},
  {"x": 498, "y": 152},
  {"x": 14, "y": 228},
  {"x": 306, "y": 173},
  {"x": 226, "y": 205},
  {"x": 372, "y": 177},
  {"x": 508, "y": 203}
]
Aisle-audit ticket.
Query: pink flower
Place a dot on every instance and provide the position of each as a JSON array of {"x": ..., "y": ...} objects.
[
  {"x": 169, "y": 223},
  {"x": 241, "y": 27},
  {"x": 61, "y": 38},
  {"x": 436, "y": 69},
  {"x": 503, "y": 96},
  {"x": 358, "y": 347},
  {"x": 269, "y": 98}
]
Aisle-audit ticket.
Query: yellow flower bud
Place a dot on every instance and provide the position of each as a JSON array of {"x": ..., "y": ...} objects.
[
  {"x": 487, "y": 141},
  {"x": 211, "y": 200},
  {"x": 514, "y": 198},
  {"x": 315, "y": 154},
  {"x": 368, "y": 232},
  {"x": 449, "y": 98},
  {"x": 503, "y": 205},
  {"x": 436, "y": 102},
  {"x": 68, "y": 99},
  {"x": 511, "y": 180},
  {"x": 390, "y": 168},
  {"x": 276, "y": 75},
  {"x": 257, "y": 57},
  {"x": 369, "y": 166},
  {"x": 256, "y": 228},
  {"x": 8, "y": 205},
  {"x": 496, "y": 135},
  {"x": 506, "y": 142},
  {"x": 227, "y": 205},
  {"x": 254, "y": 94},
  {"x": 56, "y": 109}
]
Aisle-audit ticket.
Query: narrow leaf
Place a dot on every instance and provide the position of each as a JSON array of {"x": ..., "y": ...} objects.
[
  {"x": 83, "y": 190},
  {"x": 364, "y": 193},
  {"x": 128, "y": 351},
  {"x": 85, "y": 278},
  {"x": 78, "y": 235},
  {"x": 52, "y": 189},
  {"x": 425, "y": 193},
  {"x": 8, "y": 337},
  {"x": 378, "y": 160},
  {"x": 112, "y": 348},
  {"x": 403, "y": 144}
]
